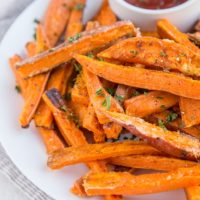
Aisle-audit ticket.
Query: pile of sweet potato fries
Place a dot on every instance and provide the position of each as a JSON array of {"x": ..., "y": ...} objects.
[{"x": 107, "y": 77}]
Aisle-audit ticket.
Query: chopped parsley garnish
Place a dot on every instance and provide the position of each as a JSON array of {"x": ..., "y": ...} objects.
[
  {"x": 36, "y": 21},
  {"x": 163, "y": 54},
  {"x": 77, "y": 67},
  {"x": 74, "y": 38},
  {"x": 79, "y": 6},
  {"x": 99, "y": 92},
  {"x": 161, "y": 123},
  {"x": 107, "y": 102},
  {"x": 163, "y": 106},
  {"x": 18, "y": 89},
  {"x": 134, "y": 52},
  {"x": 120, "y": 98},
  {"x": 136, "y": 93},
  {"x": 159, "y": 97},
  {"x": 111, "y": 91},
  {"x": 90, "y": 55},
  {"x": 74, "y": 118},
  {"x": 63, "y": 108},
  {"x": 171, "y": 117},
  {"x": 100, "y": 59},
  {"x": 145, "y": 92},
  {"x": 68, "y": 96}
]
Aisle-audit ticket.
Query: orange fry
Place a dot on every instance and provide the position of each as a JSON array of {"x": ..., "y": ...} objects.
[
  {"x": 193, "y": 193},
  {"x": 125, "y": 183},
  {"x": 80, "y": 43},
  {"x": 143, "y": 78},
  {"x": 147, "y": 104}
]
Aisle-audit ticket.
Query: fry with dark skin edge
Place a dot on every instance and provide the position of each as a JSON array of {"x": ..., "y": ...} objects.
[
  {"x": 43, "y": 116},
  {"x": 36, "y": 85},
  {"x": 98, "y": 95},
  {"x": 21, "y": 83},
  {"x": 143, "y": 78},
  {"x": 82, "y": 43},
  {"x": 126, "y": 183},
  {"x": 75, "y": 24},
  {"x": 105, "y": 16},
  {"x": 175, "y": 125},
  {"x": 56, "y": 18},
  {"x": 153, "y": 52},
  {"x": 147, "y": 104},
  {"x": 153, "y": 162},
  {"x": 170, "y": 142},
  {"x": 70, "y": 132},
  {"x": 92, "y": 152},
  {"x": 190, "y": 111}
]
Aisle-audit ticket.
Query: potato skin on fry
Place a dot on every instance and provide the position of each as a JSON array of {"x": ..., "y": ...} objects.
[
  {"x": 81, "y": 43},
  {"x": 172, "y": 143}
]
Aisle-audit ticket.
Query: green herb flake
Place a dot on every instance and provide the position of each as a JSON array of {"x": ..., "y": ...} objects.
[
  {"x": 74, "y": 38},
  {"x": 77, "y": 67},
  {"x": 163, "y": 54},
  {"x": 159, "y": 97},
  {"x": 119, "y": 98},
  {"x": 171, "y": 117},
  {"x": 163, "y": 106},
  {"x": 100, "y": 59},
  {"x": 74, "y": 118},
  {"x": 63, "y": 108},
  {"x": 145, "y": 93},
  {"x": 90, "y": 55},
  {"x": 111, "y": 91},
  {"x": 99, "y": 92},
  {"x": 18, "y": 89},
  {"x": 36, "y": 21},
  {"x": 68, "y": 96},
  {"x": 136, "y": 93},
  {"x": 79, "y": 6},
  {"x": 134, "y": 52},
  {"x": 161, "y": 124},
  {"x": 107, "y": 102}
]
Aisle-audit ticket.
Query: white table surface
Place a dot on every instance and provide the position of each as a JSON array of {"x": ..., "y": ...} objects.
[{"x": 9, "y": 9}]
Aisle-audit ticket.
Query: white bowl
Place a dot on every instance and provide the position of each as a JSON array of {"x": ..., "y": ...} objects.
[{"x": 183, "y": 16}]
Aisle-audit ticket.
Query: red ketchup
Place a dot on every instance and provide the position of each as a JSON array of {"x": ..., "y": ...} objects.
[{"x": 156, "y": 4}]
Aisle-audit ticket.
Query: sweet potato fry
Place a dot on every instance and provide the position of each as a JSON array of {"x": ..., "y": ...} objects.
[
  {"x": 81, "y": 43},
  {"x": 175, "y": 125},
  {"x": 36, "y": 85},
  {"x": 92, "y": 25},
  {"x": 105, "y": 16},
  {"x": 51, "y": 140},
  {"x": 167, "y": 30},
  {"x": 153, "y": 162},
  {"x": 75, "y": 24},
  {"x": 70, "y": 132},
  {"x": 91, "y": 123},
  {"x": 190, "y": 111},
  {"x": 173, "y": 143},
  {"x": 150, "y": 34},
  {"x": 56, "y": 18},
  {"x": 143, "y": 78},
  {"x": 79, "y": 92},
  {"x": 153, "y": 52},
  {"x": 92, "y": 152},
  {"x": 125, "y": 183},
  {"x": 100, "y": 98},
  {"x": 43, "y": 116},
  {"x": 147, "y": 104},
  {"x": 21, "y": 83},
  {"x": 31, "y": 49},
  {"x": 193, "y": 193}
]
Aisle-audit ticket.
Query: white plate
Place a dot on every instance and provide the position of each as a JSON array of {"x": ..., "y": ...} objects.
[{"x": 24, "y": 146}]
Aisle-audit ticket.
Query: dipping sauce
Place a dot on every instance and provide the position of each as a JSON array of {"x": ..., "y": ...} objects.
[{"x": 156, "y": 4}]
